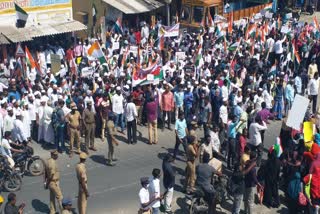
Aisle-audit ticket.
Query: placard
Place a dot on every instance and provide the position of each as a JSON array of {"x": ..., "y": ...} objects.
[
  {"x": 55, "y": 63},
  {"x": 180, "y": 55},
  {"x": 285, "y": 29},
  {"x": 115, "y": 46},
  {"x": 87, "y": 71},
  {"x": 308, "y": 131},
  {"x": 297, "y": 112}
]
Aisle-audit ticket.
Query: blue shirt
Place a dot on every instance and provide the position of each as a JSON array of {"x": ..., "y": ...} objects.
[
  {"x": 188, "y": 99},
  {"x": 180, "y": 127},
  {"x": 237, "y": 111},
  {"x": 289, "y": 92},
  {"x": 15, "y": 94},
  {"x": 178, "y": 98},
  {"x": 232, "y": 133}
]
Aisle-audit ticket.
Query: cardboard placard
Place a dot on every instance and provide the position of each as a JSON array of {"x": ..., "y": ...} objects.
[
  {"x": 285, "y": 29},
  {"x": 180, "y": 55},
  {"x": 87, "y": 71},
  {"x": 297, "y": 112},
  {"x": 55, "y": 63},
  {"x": 269, "y": 15}
]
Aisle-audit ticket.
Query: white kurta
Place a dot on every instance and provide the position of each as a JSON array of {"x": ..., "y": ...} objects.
[
  {"x": 48, "y": 129},
  {"x": 26, "y": 122},
  {"x": 8, "y": 123},
  {"x": 41, "y": 129}
]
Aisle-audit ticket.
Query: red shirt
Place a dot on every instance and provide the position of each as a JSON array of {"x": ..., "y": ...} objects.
[
  {"x": 138, "y": 37},
  {"x": 242, "y": 143},
  {"x": 70, "y": 54},
  {"x": 137, "y": 97}
]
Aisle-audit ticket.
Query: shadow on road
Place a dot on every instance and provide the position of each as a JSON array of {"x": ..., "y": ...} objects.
[
  {"x": 183, "y": 206},
  {"x": 98, "y": 159},
  {"x": 39, "y": 206}
]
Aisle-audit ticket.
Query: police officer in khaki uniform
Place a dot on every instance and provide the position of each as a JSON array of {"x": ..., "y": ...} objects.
[
  {"x": 191, "y": 154},
  {"x": 88, "y": 117},
  {"x": 73, "y": 120},
  {"x": 83, "y": 193},
  {"x": 52, "y": 176},
  {"x": 110, "y": 132}
]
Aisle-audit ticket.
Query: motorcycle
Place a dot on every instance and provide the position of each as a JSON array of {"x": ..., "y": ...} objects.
[
  {"x": 10, "y": 180},
  {"x": 199, "y": 204},
  {"x": 26, "y": 162}
]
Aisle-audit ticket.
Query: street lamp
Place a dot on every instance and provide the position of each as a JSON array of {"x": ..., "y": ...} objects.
[{"x": 168, "y": 2}]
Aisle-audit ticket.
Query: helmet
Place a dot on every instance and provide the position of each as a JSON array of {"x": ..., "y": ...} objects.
[{"x": 1, "y": 199}]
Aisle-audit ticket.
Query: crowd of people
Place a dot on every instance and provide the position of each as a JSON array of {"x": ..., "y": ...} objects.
[{"x": 228, "y": 86}]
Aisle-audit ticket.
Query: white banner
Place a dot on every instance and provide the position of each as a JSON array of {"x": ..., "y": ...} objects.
[
  {"x": 87, "y": 71},
  {"x": 172, "y": 31},
  {"x": 297, "y": 112}
]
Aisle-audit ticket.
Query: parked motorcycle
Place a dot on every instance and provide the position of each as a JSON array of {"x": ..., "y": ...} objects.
[
  {"x": 10, "y": 180},
  {"x": 26, "y": 162}
]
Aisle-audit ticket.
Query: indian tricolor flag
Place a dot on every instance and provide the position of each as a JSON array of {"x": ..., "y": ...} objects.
[
  {"x": 95, "y": 51},
  {"x": 295, "y": 52},
  {"x": 251, "y": 31},
  {"x": 21, "y": 15},
  {"x": 31, "y": 62},
  {"x": 234, "y": 46},
  {"x": 316, "y": 23},
  {"x": 118, "y": 25}
]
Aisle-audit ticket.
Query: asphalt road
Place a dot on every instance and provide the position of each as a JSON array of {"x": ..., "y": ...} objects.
[{"x": 115, "y": 189}]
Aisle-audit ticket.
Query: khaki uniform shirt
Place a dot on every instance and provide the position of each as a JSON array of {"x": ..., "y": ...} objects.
[
  {"x": 88, "y": 116},
  {"x": 52, "y": 170},
  {"x": 66, "y": 212},
  {"x": 193, "y": 133},
  {"x": 191, "y": 153},
  {"x": 74, "y": 119},
  {"x": 81, "y": 174},
  {"x": 110, "y": 131}
]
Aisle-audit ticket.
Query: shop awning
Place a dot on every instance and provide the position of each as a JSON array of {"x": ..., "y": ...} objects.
[
  {"x": 55, "y": 28},
  {"x": 134, "y": 6},
  {"x": 3, "y": 40},
  {"x": 28, "y": 33},
  {"x": 15, "y": 34}
]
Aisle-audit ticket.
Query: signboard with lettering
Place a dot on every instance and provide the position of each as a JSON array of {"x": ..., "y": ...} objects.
[{"x": 39, "y": 11}]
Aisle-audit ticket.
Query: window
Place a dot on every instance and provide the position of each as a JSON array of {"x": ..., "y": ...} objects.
[
  {"x": 85, "y": 19},
  {"x": 213, "y": 11},
  {"x": 186, "y": 13},
  {"x": 198, "y": 13}
]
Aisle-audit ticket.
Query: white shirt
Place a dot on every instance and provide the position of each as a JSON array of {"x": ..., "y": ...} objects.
[
  {"x": 154, "y": 189},
  {"x": 270, "y": 44},
  {"x": 8, "y": 123},
  {"x": 224, "y": 92},
  {"x": 254, "y": 133},
  {"x": 278, "y": 49},
  {"x": 117, "y": 104},
  {"x": 5, "y": 148},
  {"x": 267, "y": 98},
  {"x": 131, "y": 112},
  {"x": 18, "y": 132},
  {"x": 313, "y": 86},
  {"x": 144, "y": 197},
  {"x": 224, "y": 114},
  {"x": 215, "y": 141},
  {"x": 258, "y": 101}
]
